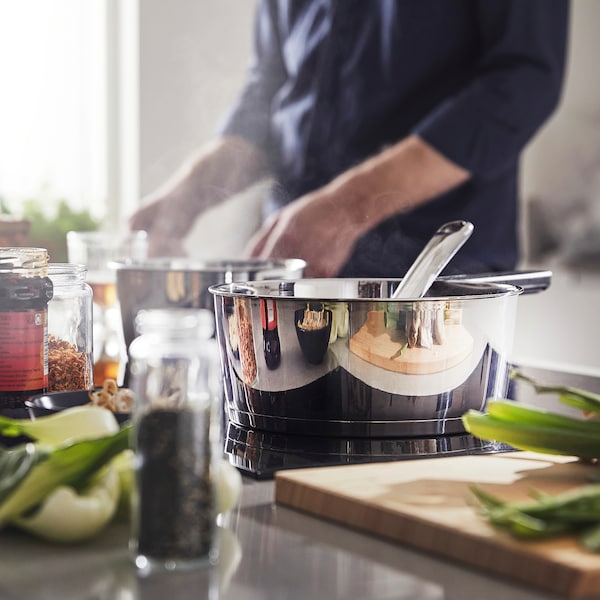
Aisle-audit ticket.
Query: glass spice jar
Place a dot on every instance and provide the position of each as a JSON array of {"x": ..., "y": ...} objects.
[
  {"x": 175, "y": 378},
  {"x": 25, "y": 290},
  {"x": 70, "y": 329}
]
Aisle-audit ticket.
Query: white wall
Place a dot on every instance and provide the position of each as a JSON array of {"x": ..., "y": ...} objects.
[
  {"x": 192, "y": 58},
  {"x": 561, "y": 180},
  {"x": 561, "y": 167},
  {"x": 193, "y": 54}
]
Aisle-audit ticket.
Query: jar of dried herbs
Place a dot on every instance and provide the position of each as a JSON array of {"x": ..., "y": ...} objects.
[
  {"x": 70, "y": 339},
  {"x": 175, "y": 377},
  {"x": 25, "y": 291}
]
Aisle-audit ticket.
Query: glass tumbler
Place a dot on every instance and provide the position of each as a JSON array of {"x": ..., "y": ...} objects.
[
  {"x": 175, "y": 376},
  {"x": 96, "y": 250},
  {"x": 70, "y": 351}
]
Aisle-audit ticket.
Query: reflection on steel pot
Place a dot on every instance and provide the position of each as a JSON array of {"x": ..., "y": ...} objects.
[
  {"x": 184, "y": 283},
  {"x": 387, "y": 368}
]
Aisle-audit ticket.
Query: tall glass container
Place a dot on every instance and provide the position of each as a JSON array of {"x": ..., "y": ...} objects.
[
  {"x": 175, "y": 377},
  {"x": 70, "y": 335},
  {"x": 25, "y": 291},
  {"x": 96, "y": 250}
]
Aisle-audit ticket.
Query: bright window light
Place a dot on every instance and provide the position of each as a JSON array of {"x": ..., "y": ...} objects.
[{"x": 53, "y": 106}]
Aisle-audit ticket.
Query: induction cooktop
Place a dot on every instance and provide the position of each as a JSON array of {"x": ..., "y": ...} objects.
[{"x": 260, "y": 453}]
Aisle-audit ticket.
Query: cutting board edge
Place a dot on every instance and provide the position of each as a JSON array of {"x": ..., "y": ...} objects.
[{"x": 574, "y": 583}]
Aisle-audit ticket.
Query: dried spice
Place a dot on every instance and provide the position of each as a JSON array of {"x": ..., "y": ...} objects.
[
  {"x": 176, "y": 512},
  {"x": 68, "y": 367}
]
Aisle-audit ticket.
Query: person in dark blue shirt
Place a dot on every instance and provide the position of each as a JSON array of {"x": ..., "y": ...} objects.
[{"x": 379, "y": 120}]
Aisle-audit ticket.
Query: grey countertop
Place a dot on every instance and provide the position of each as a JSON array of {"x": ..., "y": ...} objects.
[{"x": 268, "y": 552}]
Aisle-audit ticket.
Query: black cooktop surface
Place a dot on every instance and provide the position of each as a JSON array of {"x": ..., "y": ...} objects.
[{"x": 261, "y": 453}]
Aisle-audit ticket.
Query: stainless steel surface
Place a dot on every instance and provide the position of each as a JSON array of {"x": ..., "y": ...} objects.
[
  {"x": 438, "y": 252},
  {"x": 271, "y": 553},
  {"x": 165, "y": 282},
  {"x": 530, "y": 282},
  {"x": 359, "y": 388}
]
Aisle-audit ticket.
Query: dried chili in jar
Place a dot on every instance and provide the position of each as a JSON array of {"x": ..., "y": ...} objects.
[{"x": 70, "y": 339}]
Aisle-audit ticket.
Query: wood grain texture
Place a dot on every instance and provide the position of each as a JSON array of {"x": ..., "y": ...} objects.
[
  {"x": 428, "y": 504},
  {"x": 386, "y": 348}
]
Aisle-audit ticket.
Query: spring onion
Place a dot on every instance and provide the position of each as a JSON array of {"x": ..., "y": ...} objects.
[{"x": 574, "y": 512}]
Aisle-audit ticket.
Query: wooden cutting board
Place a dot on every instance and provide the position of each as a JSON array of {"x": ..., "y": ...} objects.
[{"x": 428, "y": 504}]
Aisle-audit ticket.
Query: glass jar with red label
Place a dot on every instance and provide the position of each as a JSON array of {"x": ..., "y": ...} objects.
[{"x": 25, "y": 290}]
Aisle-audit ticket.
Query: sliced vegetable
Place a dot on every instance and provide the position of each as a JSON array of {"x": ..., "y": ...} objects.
[
  {"x": 67, "y": 516},
  {"x": 123, "y": 465},
  {"x": 575, "y": 511},
  {"x": 30, "y": 472},
  {"x": 228, "y": 486},
  {"x": 71, "y": 424}
]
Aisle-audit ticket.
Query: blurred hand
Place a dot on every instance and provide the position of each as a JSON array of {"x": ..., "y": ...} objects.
[
  {"x": 222, "y": 168},
  {"x": 318, "y": 228},
  {"x": 167, "y": 218}
]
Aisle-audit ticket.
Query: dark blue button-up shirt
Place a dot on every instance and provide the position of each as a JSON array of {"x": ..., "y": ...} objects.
[{"x": 332, "y": 82}]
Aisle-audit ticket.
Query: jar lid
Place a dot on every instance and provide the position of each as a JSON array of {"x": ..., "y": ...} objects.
[{"x": 23, "y": 260}]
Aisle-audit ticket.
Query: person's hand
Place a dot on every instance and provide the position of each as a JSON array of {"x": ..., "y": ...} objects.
[
  {"x": 167, "y": 219},
  {"x": 323, "y": 226},
  {"x": 318, "y": 228},
  {"x": 222, "y": 168}
]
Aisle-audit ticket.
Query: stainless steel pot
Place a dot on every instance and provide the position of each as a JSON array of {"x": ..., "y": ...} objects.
[
  {"x": 169, "y": 282},
  {"x": 341, "y": 357}
]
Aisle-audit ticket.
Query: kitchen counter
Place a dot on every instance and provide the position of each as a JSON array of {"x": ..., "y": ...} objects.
[{"x": 268, "y": 552}]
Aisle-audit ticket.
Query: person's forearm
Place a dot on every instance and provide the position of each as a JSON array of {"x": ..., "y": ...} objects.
[
  {"x": 399, "y": 178},
  {"x": 219, "y": 170}
]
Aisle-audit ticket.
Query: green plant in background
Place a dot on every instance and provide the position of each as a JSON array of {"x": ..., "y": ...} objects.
[{"x": 50, "y": 230}]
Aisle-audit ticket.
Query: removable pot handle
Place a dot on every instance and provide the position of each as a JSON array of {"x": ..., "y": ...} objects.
[{"x": 530, "y": 281}]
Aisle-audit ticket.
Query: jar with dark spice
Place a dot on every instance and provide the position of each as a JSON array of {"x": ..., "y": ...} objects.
[
  {"x": 175, "y": 378},
  {"x": 70, "y": 351},
  {"x": 25, "y": 290}
]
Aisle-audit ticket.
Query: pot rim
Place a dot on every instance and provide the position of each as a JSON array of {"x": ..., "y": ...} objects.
[
  {"x": 164, "y": 264},
  {"x": 285, "y": 289}
]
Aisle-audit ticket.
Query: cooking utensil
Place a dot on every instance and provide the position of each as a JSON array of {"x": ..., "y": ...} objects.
[
  {"x": 530, "y": 281},
  {"x": 438, "y": 252},
  {"x": 358, "y": 389},
  {"x": 184, "y": 283}
]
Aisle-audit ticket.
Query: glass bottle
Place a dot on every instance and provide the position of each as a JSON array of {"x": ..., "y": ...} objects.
[
  {"x": 175, "y": 377},
  {"x": 25, "y": 290},
  {"x": 70, "y": 329}
]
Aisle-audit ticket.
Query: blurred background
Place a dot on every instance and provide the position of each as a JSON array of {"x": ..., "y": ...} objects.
[{"x": 103, "y": 99}]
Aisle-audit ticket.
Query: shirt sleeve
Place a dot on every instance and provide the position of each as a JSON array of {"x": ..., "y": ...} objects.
[
  {"x": 516, "y": 87},
  {"x": 250, "y": 115}
]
